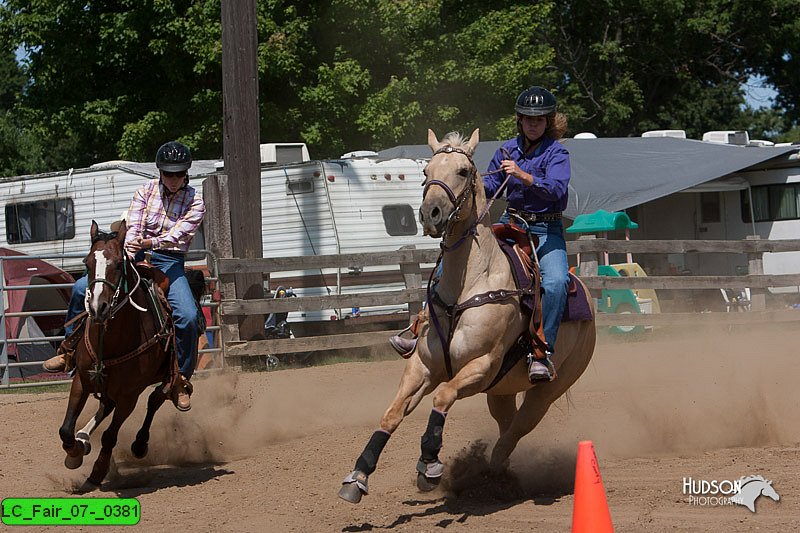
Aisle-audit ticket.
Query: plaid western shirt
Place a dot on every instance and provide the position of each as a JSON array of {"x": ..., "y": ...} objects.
[{"x": 170, "y": 222}]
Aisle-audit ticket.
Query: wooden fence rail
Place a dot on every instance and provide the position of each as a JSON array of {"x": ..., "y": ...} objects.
[
  {"x": 749, "y": 246},
  {"x": 411, "y": 261}
]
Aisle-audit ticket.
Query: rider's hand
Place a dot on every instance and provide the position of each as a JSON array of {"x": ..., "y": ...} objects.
[
  {"x": 139, "y": 244},
  {"x": 511, "y": 168}
]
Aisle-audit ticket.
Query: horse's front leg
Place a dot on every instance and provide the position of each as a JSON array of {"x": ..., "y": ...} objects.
[
  {"x": 84, "y": 435},
  {"x": 414, "y": 385},
  {"x": 123, "y": 409},
  {"x": 75, "y": 449},
  {"x": 470, "y": 380},
  {"x": 154, "y": 402}
]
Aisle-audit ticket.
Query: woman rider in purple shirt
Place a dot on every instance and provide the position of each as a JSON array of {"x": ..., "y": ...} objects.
[
  {"x": 538, "y": 166},
  {"x": 538, "y": 169}
]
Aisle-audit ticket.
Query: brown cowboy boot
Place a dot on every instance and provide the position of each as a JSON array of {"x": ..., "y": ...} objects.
[
  {"x": 63, "y": 360},
  {"x": 405, "y": 347},
  {"x": 181, "y": 396},
  {"x": 55, "y": 364}
]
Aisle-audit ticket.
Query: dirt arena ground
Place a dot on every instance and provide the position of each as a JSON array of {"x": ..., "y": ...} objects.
[{"x": 267, "y": 451}]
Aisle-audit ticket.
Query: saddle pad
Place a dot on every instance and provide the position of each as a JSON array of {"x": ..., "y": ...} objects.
[{"x": 577, "y": 307}]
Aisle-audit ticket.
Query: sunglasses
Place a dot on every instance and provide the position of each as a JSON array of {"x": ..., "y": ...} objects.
[{"x": 179, "y": 174}]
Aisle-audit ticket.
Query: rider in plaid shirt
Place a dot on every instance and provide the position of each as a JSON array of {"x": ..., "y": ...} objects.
[{"x": 163, "y": 217}]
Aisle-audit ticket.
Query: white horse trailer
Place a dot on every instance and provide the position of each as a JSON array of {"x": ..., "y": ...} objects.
[
  {"x": 342, "y": 206},
  {"x": 358, "y": 203},
  {"x": 51, "y": 213}
]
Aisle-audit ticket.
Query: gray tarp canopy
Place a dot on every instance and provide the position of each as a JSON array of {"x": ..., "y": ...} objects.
[{"x": 617, "y": 173}]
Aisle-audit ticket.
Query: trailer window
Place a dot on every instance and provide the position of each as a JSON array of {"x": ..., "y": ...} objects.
[
  {"x": 772, "y": 202},
  {"x": 44, "y": 220},
  {"x": 300, "y": 185},
  {"x": 399, "y": 219}
]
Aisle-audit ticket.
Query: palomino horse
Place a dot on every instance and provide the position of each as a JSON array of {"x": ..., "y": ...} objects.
[
  {"x": 453, "y": 208},
  {"x": 126, "y": 345}
]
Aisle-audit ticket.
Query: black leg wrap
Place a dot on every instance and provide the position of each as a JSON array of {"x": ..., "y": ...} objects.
[
  {"x": 368, "y": 460},
  {"x": 432, "y": 439}
]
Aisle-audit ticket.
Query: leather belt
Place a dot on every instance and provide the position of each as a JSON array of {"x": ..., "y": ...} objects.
[
  {"x": 531, "y": 217},
  {"x": 171, "y": 253}
]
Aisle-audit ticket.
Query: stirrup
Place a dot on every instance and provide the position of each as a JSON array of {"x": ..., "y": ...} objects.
[
  {"x": 405, "y": 347},
  {"x": 183, "y": 387},
  {"x": 540, "y": 369}
]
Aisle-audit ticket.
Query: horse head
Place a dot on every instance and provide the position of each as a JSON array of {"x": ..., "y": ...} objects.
[
  {"x": 768, "y": 491},
  {"x": 450, "y": 182},
  {"x": 106, "y": 272}
]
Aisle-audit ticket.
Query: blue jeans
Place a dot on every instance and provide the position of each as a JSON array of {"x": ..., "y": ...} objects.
[
  {"x": 552, "y": 253},
  {"x": 184, "y": 307}
]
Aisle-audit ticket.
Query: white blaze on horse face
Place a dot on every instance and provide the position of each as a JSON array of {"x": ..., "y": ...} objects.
[{"x": 101, "y": 263}]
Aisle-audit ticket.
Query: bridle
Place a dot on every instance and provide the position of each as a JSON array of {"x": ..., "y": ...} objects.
[
  {"x": 458, "y": 201},
  {"x": 121, "y": 287}
]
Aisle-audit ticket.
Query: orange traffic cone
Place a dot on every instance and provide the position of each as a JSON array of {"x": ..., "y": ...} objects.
[{"x": 590, "y": 510}]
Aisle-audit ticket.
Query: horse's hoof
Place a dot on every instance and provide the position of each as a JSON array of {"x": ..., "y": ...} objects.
[
  {"x": 350, "y": 492},
  {"x": 73, "y": 462},
  {"x": 139, "y": 449},
  {"x": 427, "y": 484},
  {"x": 87, "y": 445},
  {"x": 355, "y": 485}
]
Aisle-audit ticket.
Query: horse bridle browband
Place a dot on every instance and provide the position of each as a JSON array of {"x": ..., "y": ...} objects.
[{"x": 457, "y": 201}]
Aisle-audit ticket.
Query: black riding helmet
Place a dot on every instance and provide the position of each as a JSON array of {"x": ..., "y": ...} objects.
[
  {"x": 535, "y": 101},
  {"x": 173, "y": 157}
]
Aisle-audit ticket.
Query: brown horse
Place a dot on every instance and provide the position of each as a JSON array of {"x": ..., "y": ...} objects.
[
  {"x": 453, "y": 208},
  {"x": 126, "y": 345}
]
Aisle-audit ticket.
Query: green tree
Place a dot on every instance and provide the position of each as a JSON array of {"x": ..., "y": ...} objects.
[
  {"x": 633, "y": 65},
  {"x": 19, "y": 151},
  {"x": 114, "y": 79},
  {"x": 109, "y": 79},
  {"x": 415, "y": 65}
]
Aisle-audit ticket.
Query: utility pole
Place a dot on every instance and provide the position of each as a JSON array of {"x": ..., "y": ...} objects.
[{"x": 241, "y": 141}]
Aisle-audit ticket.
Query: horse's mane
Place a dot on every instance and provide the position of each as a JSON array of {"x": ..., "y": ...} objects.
[
  {"x": 454, "y": 139},
  {"x": 748, "y": 479}
]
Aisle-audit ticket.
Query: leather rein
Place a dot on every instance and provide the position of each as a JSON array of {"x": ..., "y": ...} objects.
[{"x": 454, "y": 311}]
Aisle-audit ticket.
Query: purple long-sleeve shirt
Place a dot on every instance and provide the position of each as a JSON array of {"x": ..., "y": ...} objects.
[
  {"x": 169, "y": 221},
  {"x": 549, "y": 166}
]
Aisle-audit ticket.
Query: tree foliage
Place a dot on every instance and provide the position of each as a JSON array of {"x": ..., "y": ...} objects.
[
  {"x": 104, "y": 79},
  {"x": 634, "y": 65}
]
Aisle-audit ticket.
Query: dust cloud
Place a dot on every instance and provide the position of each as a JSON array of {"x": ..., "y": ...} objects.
[
  {"x": 714, "y": 389},
  {"x": 664, "y": 393},
  {"x": 233, "y": 414}
]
